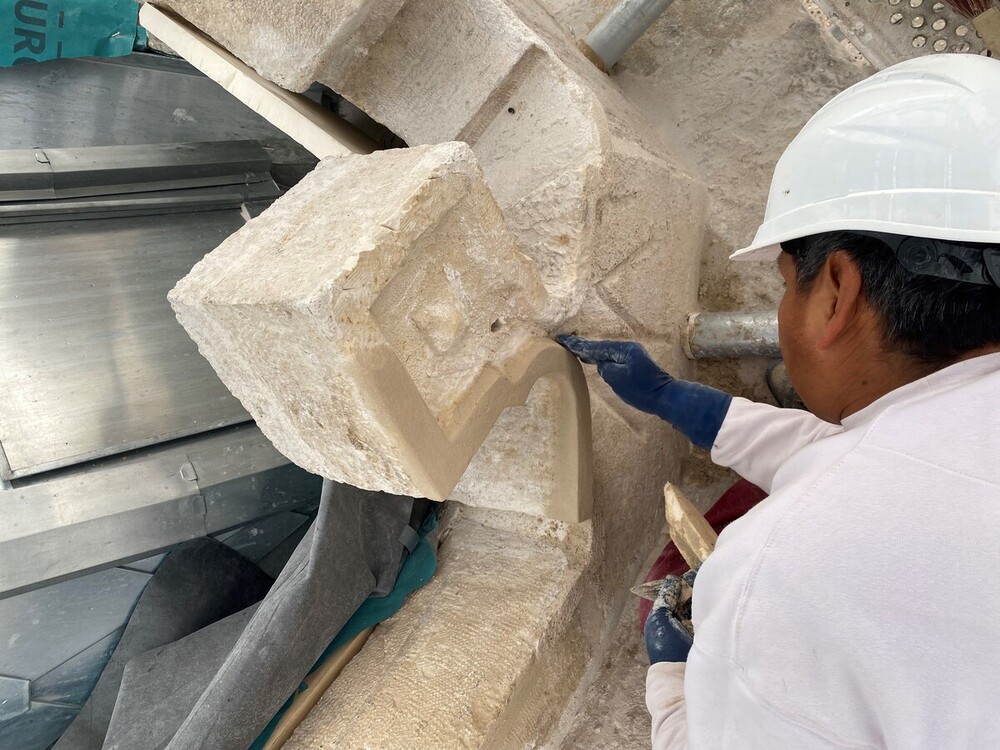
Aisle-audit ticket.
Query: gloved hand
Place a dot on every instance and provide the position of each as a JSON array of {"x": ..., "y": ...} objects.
[
  {"x": 665, "y": 632},
  {"x": 693, "y": 408}
]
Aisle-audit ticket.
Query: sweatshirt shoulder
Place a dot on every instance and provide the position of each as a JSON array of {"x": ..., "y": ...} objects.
[{"x": 955, "y": 430}]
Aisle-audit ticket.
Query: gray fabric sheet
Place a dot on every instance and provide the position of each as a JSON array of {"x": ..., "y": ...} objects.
[
  {"x": 171, "y": 678},
  {"x": 274, "y": 561},
  {"x": 219, "y": 687},
  {"x": 198, "y": 583}
]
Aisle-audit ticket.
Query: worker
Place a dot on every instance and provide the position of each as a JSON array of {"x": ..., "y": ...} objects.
[{"x": 857, "y": 606}]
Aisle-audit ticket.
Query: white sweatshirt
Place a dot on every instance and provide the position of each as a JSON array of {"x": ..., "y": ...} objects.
[{"x": 859, "y": 605}]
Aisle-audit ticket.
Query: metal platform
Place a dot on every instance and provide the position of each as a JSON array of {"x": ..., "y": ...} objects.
[
  {"x": 95, "y": 366},
  {"x": 138, "y": 99},
  {"x": 889, "y": 31},
  {"x": 121, "y": 509},
  {"x": 94, "y": 361},
  {"x": 120, "y": 440}
]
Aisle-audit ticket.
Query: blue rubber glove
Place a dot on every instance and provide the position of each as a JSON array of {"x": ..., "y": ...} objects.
[
  {"x": 667, "y": 638},
  {"x": 693, "y": 408}
]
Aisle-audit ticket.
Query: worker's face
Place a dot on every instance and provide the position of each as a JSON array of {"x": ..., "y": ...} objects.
[{"x": 797, "y": 337}]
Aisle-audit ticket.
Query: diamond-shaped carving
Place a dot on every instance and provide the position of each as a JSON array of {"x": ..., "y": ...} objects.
[{"x": 440, "y": 320}]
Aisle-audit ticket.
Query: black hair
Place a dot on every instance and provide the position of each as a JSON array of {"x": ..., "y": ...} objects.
[{"x": 933, "y": 320}]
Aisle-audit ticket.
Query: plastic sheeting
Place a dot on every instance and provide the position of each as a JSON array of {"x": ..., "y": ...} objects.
[{"x": 251, "y": 660}]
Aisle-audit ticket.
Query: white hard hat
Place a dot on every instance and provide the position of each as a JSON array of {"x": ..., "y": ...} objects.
[{"x": 913, "y": 150}]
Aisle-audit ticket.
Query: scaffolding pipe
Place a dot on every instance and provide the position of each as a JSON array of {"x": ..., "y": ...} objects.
[
  {"x": 619, "y": 29},
  {"x": 731, "y": 335}
]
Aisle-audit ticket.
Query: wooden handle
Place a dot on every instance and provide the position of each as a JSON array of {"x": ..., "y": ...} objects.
[
  {"x": 689, "y": 530},
  {"x": 988, "y": 26},
  {"x": 312, "y": 689}
]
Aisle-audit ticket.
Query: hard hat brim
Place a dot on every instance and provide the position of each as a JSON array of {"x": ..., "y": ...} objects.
[
  {"x": 762, "y": 252},
  {"x": 903, "y": 212},
  {"x": 913, "y": 150}
]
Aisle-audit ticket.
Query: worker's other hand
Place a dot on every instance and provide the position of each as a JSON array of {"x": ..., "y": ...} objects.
[
  {"x": 696, "y": 410},
  {"x": 666, "y": 632}
]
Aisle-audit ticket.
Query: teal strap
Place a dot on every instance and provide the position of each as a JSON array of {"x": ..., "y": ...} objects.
[{"x": 409, "y": 538}]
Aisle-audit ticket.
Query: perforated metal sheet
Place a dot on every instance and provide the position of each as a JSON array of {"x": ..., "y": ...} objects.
[{"x": 890, "y": 31}]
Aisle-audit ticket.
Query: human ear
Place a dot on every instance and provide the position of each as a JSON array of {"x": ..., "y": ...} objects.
[{"x": 842, "y": 299}]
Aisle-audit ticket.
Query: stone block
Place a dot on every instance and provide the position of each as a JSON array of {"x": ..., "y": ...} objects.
[
  {"x": 395, "y": 267},
  {"x": 523, "y": 437},
  {"x": 435, "y": 66},
  {"x": 553, "y": 225},
  {"x": 290, "y": 42},
  {"x": 648, "y": 271},
  {"x": 534, "y": 131}
]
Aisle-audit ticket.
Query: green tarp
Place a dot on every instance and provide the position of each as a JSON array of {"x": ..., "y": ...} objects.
[{"x": 36, "y": 30}]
